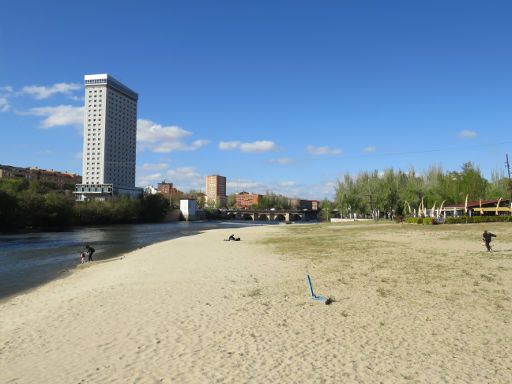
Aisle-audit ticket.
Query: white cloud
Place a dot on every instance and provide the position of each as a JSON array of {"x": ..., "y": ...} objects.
[
  {"x": 246, "y": 185},
  {"x": 183, "y": 173},
  {"x": 153, "y": 167},
  {"x": 370, "y": 149},
  {"x": 148, "y": 131},
  {"x": 6, "y": 92},
  {"x": 291, "y": 189},
  {"x": 256, "y": 146},
  {"x": 186, "y": 178},
  {"x": 183, "y": 178},
  {"x": 150, "y": 179},
  {"x": 164, "y": 139},
  {"x": 61, "y": 115},
  {"x": 281, "y": 160},
  {"x": 323, "y": 150},
  {"x": 229, "y": 145},
  {"x": 322, "y": 190},
  {"x": 77, "y": 98},
  {"x": 42, "y": 92},
  {"x": 4, "y": 104},
  {"x": 467, "y": 134},
  {"x": 179, "y": 146}
]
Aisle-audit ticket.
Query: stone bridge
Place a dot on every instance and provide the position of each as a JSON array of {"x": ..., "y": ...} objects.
[{"x": 268, "y": 215}]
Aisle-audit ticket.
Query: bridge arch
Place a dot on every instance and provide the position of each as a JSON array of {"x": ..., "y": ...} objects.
[
  {"x": 247, "y": 216},
  {"x": 295, "y": 217},
  {"x": 280, "y": 217},
  {"x": 263, "y": 217}
]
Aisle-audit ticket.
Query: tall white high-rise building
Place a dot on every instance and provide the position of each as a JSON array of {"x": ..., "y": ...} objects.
[{"x": 110, "y": 134}]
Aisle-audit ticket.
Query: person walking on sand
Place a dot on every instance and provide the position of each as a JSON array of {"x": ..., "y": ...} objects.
[
  {"x": 90, "y": 251},
  {"x": 487, "y": 236}
]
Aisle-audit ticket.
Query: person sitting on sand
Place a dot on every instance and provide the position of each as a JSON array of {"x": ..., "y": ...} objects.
[
  {"x": 232, "y": 238},
  {"x": 487, "y": 236}
]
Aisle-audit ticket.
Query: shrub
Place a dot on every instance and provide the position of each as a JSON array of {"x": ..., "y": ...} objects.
[
  {"x": 477, "y": 219},
  {"x": 421, "y": 220}
]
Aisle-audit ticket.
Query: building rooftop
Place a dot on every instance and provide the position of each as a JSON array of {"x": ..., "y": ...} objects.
[
  {"x": 476, "y": 203},
  {"x": 105, "y": 78}
]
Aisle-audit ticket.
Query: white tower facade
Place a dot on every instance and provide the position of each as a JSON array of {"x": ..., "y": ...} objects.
[{"x": 110, "y": 134}]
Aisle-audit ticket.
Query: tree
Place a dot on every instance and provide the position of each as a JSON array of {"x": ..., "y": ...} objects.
[
  {"x": 9, "y": 211},
  {"x": 199, "y": 197},
  {"x": 326, "y": 207},
  {"x": 394, "y": 192},
  {"x": 231, "y": 201},
  {"x": 154, "y": 208}
]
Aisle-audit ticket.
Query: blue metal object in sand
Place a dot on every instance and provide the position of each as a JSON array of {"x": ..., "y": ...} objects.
[{"x": 313, "y": 296}]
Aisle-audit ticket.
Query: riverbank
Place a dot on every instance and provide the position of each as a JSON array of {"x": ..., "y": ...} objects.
[
  {"x": 29, "y": 259},
  {"x": 412, "y": 304}
]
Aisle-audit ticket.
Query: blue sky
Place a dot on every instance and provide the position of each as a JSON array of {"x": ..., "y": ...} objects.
[{"x": 277, "y": 95}]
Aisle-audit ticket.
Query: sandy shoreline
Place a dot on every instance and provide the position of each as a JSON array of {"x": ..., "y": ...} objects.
[
  {"x": 162, "y": 312},
  {"x": 200, "y": 310}
]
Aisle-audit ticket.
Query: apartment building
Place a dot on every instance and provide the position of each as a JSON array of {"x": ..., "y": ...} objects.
[
  {"x": 246, "y": 200},
  {"x": 216, "y": 191},
  {"x": 60, "y": 179}
]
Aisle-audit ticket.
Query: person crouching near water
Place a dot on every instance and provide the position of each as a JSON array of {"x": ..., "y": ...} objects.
[
  {"x": 90, "y": 251},
  {"x": 487, "y": 236}
]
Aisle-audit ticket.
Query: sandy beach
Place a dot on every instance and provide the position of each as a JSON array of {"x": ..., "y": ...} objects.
[{"x": 412, "y": 304}]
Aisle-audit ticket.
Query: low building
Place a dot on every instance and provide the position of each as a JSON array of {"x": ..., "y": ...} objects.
[
  {"x": 60, "y": 179},
  {"x": 164, "y": 188},
  {"x": 301, "y": 204},
  {"x": 150, "y": 190},
  {"x": 103, "y": 192},
  {"x": 168, "y": 190},
  {"x": 188, "y": 209},
  {"x": 479, "y": 208},
  {"x": 246, "y": 200}
]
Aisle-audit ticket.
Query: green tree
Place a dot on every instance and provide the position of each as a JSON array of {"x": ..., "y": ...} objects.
[
  {"x": 9, "y": 211},
  {"x": 326, "y": 207},
  {"x": 231, "y": 201},
  {"x": 58, "y": 209},
  {"x": 154, "y": 208}
]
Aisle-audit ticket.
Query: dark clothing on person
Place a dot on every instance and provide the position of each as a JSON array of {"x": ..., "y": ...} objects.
[
  {"x": 90, "y": 251},
  {"x": 487, "y": 237},
  {"x": 233, "y": 238}
]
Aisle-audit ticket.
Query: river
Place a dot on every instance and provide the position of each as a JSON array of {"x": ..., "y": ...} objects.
[{"x": 29, "y": 259}]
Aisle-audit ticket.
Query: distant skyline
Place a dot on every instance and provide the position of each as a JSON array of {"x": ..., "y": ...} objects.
[{"x": 284, "y": 96}]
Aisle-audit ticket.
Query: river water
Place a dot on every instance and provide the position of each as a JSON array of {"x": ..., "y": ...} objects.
[{"x": 30, "y": 259}]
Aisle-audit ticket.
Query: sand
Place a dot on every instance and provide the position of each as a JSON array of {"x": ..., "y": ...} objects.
[{"x": 200, "y": 310}]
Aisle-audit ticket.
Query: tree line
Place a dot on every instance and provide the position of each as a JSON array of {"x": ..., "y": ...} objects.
[
  {"x": 37, "y": 204},
  {"x": 400, "y": 193}
]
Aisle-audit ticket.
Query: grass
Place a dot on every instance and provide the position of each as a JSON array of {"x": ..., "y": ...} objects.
[{"x": 447, "y": 261}]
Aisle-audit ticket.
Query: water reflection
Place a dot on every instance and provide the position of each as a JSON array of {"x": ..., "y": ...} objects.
[{"x": 30, "y": 259}]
